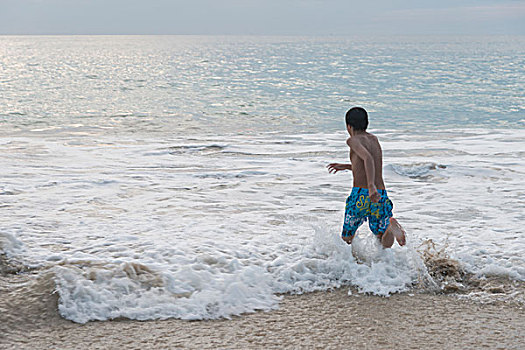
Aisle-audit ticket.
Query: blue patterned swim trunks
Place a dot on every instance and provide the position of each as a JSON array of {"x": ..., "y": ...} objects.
[{"x": 359, "y": 208}]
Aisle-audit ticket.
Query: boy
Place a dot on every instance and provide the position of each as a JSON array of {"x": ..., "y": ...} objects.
[{"x": 368, "y": 200}]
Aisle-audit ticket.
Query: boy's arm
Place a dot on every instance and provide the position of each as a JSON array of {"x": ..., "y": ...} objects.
[{"x": 370, "y": 169}]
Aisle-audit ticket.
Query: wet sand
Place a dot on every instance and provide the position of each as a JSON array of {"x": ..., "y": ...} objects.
[{"x": 323, "y": 320}]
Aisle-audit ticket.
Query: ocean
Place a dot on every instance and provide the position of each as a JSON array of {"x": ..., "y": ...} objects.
[{"x": 155, "y": 177}]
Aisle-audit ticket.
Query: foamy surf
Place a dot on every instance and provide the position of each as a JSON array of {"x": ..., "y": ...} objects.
[
  {"x": 211, "y": 285},
  {"x": 136, "y": 292},
  {"x": 203, "y": 228}
]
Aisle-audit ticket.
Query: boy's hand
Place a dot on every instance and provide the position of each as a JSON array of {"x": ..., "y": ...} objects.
[
  {"x": 335, "y": 167},
  {"x": 373, "y": 194}
]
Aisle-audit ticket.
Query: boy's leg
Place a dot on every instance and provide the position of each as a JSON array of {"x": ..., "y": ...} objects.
[
  {"x": 383, "y": 224},
  {"x": 397, "y": 231},
  {"x": 353, "y": 219},
  {"x": 393, "y": 231},
  {"x": 387, "y": 239},
  {"x": 350, "y": 227},
  {"x": 347, "y": 239}
]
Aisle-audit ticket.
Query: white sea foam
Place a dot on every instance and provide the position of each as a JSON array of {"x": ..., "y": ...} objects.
[
  {"x": 9, "y": 244},
  {"x": 196, "y": 234},
  {"x": 216, "y": 285},
  {"x": 133, "y": 291}
]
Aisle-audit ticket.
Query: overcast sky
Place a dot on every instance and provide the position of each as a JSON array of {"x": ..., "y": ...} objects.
[{"x": 266, "y": 17}]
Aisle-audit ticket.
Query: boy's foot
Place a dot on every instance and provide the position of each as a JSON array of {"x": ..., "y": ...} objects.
[{"x": 397, "y": 231}]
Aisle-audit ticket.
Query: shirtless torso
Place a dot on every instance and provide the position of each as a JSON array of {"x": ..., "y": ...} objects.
[{"x": 370, "y": 143}]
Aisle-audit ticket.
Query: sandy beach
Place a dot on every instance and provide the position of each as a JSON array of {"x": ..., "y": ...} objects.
[{"x": 323, "y": 320}]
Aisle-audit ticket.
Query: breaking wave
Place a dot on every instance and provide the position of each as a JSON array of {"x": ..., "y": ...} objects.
[{"x": 211, "y": 287}]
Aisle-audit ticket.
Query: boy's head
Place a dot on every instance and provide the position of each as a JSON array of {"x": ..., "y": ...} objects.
[{"x": 357, "y": 118}]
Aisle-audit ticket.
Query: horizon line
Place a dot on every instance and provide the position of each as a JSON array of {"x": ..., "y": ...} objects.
[{"x": 261, "y": 35}]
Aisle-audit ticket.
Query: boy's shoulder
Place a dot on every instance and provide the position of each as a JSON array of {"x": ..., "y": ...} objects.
[
  {"x": 372, "y": 136},
  {"x": 362, "y": 139},
  {"x": 354, "y": 140}
]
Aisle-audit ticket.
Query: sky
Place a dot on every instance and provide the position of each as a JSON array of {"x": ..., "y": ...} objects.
[{"x": 264, "y": 17}]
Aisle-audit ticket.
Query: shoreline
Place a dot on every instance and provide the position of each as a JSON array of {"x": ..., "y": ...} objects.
[{"x": 328, "y": 320}]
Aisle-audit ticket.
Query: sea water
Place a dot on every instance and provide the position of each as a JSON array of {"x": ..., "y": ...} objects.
[{"x": 172, "y": 176}]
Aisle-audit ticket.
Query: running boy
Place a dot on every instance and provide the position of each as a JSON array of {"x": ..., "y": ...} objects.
[{"x": 368, "y": 200}]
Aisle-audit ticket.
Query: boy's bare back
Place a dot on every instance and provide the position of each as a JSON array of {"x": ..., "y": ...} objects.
[{"x": 371, "y": 144}]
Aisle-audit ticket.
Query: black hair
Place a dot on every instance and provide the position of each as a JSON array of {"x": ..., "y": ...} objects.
[{"x": 357, "y": 118}]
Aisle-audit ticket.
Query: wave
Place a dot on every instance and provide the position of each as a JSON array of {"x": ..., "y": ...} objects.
[
  {"x": 423, "y": 170},
  {"x": 180, "y": 149},
  {"x": 211, "y": 287},
  {"x": 9, "y": 244}
]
